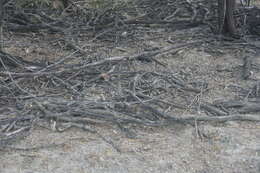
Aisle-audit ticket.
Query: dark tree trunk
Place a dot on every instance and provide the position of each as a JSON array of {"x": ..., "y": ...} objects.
[
  {"x": 229, "y": 24},
  {"x": 1, "y": 23},
  {"x": 226, "y": 16}
]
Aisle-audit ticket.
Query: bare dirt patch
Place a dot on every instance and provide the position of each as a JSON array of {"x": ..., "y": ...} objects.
[
  {"x": 227, "y": 148},
  {"x": 107, "y": 104},
  {"x": 230, "y": 147}
]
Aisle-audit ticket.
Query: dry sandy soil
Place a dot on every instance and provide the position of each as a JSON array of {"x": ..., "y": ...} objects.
[
  {"x": 231, "y": 147},
  {"x": 228, "y": 148}
]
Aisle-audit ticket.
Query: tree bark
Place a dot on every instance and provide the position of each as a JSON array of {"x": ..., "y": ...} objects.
[
  {"x": 230, "y": 21},
  {"x": 226, "y": 16},
  {"x": 1, "y": 23}
]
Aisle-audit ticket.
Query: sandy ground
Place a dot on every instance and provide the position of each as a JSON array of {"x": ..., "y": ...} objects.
[
  {"x": 232, "y": 147},
  {"x": 229, "y": 148}
]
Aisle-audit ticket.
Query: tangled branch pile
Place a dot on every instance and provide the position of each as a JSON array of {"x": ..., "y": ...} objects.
[{"x": 84, "y": 88}]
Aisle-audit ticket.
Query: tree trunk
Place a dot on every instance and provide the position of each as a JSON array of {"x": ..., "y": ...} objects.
[
  {"x": 229, "y": 24},
  {"x": 226, "y": 16},
  {"x": 1, "y": 23}
]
